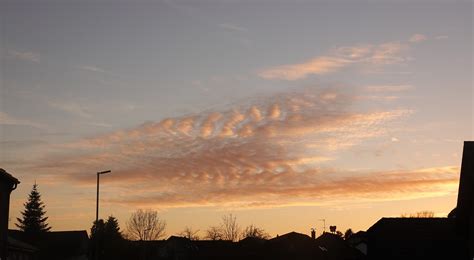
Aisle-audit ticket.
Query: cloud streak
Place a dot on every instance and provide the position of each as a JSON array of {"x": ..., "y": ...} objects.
[
  {"x": 267, "y": 151},
  {"x": 6, "y": 119},
  {"x": 92, "y": 68},
  {"x": 388, "y": 88},
  {"x": 232, "y": 27},
  {"x": 71, "y": 108},
  {"x": 340, "y": 58},
  {"x": 416, "y": 38},
  {"x": 25, "y": 56}
]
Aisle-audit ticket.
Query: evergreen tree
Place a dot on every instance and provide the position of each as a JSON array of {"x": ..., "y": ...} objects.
[
  {"x": 33, "y": 219},
  {"x": 112, "y": 229},
  {"x": 107, "y": 237}
]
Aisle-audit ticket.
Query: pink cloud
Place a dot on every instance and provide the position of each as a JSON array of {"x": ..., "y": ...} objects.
[
  {"x": 340, "y": 58},
  {"x": 264, "y": 151}
]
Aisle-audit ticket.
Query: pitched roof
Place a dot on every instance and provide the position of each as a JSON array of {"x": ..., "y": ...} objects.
[
  {"x": 4, "y": 175},
  {"x": 56, "y": 244},
  {"x": 337, "y": 248},
  {"x": 413, "y": 228},
  {"x": 297, "y": 245},
  {"x": 411, "y": 238},
  {"x": 292, "y": 236},
  {"x": 17, "y": 245}
]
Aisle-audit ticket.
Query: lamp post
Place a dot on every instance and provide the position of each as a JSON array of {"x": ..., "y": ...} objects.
[{"x": 97, "y": 213}]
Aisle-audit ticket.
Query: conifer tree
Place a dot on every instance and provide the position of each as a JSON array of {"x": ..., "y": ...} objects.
[
  {"x": 33, "y": 219},
  {"x": 112, "y": 229}
]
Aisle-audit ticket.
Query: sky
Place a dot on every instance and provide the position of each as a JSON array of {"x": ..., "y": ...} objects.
[{"x": 282, "y": 113}]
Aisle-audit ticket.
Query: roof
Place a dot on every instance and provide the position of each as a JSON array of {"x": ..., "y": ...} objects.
[
  {"x": 292, "y": 236},
  {"x": 4, "y": 175},
  {"x": 56, "y": 244},
  {"x": 17, "y": 245},
  {"x": 297, "y": 245},
  {"x": 337, "y": 248},
  {"x": 413, "y": 228},
  {"x": 411, "y": 238}
]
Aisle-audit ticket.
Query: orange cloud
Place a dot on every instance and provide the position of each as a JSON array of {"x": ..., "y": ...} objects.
[
  {"x": 263, "y": 152},
  {"x": 339, "y": 58}
]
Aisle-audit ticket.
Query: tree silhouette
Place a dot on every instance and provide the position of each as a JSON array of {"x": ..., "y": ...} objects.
[
  {"x": 189, "y": 233},
  {"x": 33, "y": 219},
  {"x": 145, "y": 225},
  {"x": 420, "y": 214},
  {"x": 108, "y": 238},
  {"x": 97, "y": 230},
  {"x": 255, "y": 232},
  {"x": 214, "y": 233},
  {"x": 348, "y": 234},
  {"x": 112, "y": 229},
  {"x": 230, "y": 228}
]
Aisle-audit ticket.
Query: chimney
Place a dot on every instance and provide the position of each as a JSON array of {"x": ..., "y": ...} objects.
[
  {"x": 313, "y": 233},
  {"x": 465, "y": 206}
]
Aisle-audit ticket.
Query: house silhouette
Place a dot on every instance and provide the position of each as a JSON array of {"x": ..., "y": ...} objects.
[
  {"x": 7, "y": 184},
  {"x": 430, "y": 238}
]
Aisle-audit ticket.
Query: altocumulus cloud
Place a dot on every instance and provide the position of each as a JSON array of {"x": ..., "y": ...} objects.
[
  {"x": 267, "y": 152},
  {"x": 339, "y": 58}
]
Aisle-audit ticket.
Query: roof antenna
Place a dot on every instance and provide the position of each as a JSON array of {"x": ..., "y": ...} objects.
[{"x": 324, "y": 224}]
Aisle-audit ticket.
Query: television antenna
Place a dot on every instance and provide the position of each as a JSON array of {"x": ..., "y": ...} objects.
[{"x": 324, "y": 224}]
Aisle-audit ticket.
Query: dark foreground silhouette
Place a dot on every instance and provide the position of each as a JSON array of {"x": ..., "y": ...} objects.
[{"x": 389, "y": 238}]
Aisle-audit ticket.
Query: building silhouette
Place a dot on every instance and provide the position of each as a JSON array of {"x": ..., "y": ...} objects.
[
  {"x": 430, "y": 238},
  {"x": 7, "y": 184}
]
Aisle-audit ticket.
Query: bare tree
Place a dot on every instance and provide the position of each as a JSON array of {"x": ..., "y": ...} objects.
[
  {"x": 189, "y": 233},
  {"x": 230, "y": 228},
  {"x": 348, "y": 234},
  {"x": 145, "y": 225},
  {"x": 256, "y": 232},
  {"x": 420, "y": 214},
  {"x": 214, "y": 233}
]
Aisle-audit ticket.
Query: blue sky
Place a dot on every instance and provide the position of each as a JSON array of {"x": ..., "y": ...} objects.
[{"x": 211, "y": 96}]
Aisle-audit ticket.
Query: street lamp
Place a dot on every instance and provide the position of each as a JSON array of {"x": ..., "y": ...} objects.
[
  {"x": 97, "y": 202},
  {"x": 97, "y": 212}
]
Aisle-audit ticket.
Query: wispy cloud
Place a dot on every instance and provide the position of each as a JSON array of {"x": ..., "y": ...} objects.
[
  {"x": 6, "y": 119},
  {"x": 388, "y": 88},
  {"x": 271, "y": 150},
  {"x": 232, "y": 27},
  {"x": 319, "y": 65},
  {"x": 25, "y": 56},
  {"x": 288, "y": 188},
  {"x": 416, "y": 38},
  {"x": 70, "y": 107},
  {"x": 339, "y": 58},
  {"x": 92, "y": 68}
]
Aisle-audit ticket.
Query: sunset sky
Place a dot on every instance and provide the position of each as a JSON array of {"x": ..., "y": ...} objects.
[{"x": 280, "y": 112}]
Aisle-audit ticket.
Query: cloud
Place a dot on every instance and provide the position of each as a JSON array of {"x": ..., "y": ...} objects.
[
  {"x": 6, "y": 119},
  {"x": 416, "y": 38},
  {"x": 320, "y": 65},
  {"x": 441, "y": 37},
  {"x": 92, "y": 68},
  {"x": 274, "y": 150},
  {"x": 339, "y": 58},
  {"x": 388, "y": 88},
  {"x": 232, "y": 27},
  {"x": 71, "y": 107},
  {"x": 25, "y": 56},
  {"x": 288, "y": 188}
]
